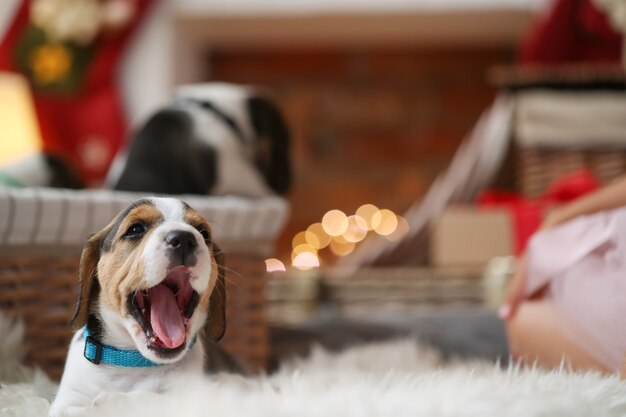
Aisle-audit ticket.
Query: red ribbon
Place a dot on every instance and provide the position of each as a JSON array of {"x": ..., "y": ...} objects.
[
  {"x": 571, "y": 31},
  {"x": 527, "y": 214}
]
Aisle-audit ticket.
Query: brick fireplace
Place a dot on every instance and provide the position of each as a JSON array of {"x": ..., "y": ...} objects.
[{"x": 376, "y": 112}]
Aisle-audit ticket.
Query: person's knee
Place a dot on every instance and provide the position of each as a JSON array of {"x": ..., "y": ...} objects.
[
  {"x": 520, "y": 328},
  {"x": 534, "y": 336}
]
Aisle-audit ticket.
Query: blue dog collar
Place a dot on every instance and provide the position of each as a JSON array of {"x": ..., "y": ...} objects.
[{"x": 97, "y": 353}]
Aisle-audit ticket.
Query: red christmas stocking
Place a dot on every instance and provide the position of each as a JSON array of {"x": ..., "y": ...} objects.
[{"x": 80, "y": 112}]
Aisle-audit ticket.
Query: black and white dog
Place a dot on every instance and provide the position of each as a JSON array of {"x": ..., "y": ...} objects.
[{"x": 214, "y": 138}]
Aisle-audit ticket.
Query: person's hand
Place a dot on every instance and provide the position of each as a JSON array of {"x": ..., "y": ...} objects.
[
  {"x": 554, "y": 217},
  {"x": 515, "y": 291}
]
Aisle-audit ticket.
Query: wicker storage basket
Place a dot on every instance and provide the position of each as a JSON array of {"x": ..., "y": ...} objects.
[
  {"x": 402, "y": 289},
  {"x": 538, "y": 167},
  {"x": 568, "y": 118},
  {"x": 294, "y": 297},
  {"x": 38, "y": 282}
]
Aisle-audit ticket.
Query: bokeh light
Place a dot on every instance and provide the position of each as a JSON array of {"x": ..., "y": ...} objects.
[
  {"x": 335, "y": 222},
  {"x": 317, "y": 236},
  {"x": 341, "y": 233},
  {"x": 357, "y": 229},
  {"x": 366, "y": 212},
  {"x": 274, "y": 265},
  {"x": 401, "y": 231},
  {"x": 341, "y": 247},
  {"x": 305, "y": 261},
  {"x": 306, "y": 237},
  {"x": 298, "y": 239},
  {"x": 385, "y": 222},
  {"x": 301, "y": 248}
]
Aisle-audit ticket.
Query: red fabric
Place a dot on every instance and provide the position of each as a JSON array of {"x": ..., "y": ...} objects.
[
  {"x": 572, "y": 31},
  {"x": 92, "y": 116},
  {"x": 527, "y": 214}
]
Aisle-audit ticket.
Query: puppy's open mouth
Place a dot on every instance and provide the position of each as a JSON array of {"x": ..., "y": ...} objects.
[{"x": 163, "y": 311}]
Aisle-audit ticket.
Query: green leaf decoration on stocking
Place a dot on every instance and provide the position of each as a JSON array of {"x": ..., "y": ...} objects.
[{"x": 54, "y": 67}]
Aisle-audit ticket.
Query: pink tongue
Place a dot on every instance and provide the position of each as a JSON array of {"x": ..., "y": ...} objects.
[{"x": 165, "y": 316}]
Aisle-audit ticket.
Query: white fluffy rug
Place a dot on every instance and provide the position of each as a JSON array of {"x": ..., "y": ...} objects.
[{"x": 390, "y": 379}]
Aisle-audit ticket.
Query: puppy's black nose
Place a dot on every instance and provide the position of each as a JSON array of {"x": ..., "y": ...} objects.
[{"x": 181, "y": 240}]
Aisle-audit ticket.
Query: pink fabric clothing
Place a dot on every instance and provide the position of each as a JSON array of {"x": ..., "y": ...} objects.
[{"x": 583, "y": 264}]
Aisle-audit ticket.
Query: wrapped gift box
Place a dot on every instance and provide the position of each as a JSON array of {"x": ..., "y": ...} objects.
[{"x": 471, "y": 236}]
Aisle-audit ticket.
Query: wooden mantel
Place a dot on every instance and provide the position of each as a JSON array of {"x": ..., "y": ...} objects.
[
  {"x": 439, "y": 28},
  {"x": 251, "y": 24}
]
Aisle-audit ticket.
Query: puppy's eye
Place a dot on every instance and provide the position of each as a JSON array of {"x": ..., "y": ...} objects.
[
  {"x": 135, "y": 230},
  {"x": 204, "y": 232}
]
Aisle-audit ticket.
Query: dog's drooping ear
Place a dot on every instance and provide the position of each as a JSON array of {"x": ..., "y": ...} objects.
[
  {"x": 87, "y": 274},
  {"x": 216, "y": 322},
  {"x": 272, "y": 143}
]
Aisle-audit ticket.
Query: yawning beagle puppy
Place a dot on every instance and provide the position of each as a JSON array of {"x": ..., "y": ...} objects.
[{"x": 151, "y": 284}]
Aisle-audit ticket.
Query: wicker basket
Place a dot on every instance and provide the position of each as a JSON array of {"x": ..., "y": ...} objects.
[
  {"x": 246, "y": 335},
  {"x": 42, "y": 292},
  {"x": 38, "y": 283},
  {"x": 402, "y": 289},
  {"x": 540, "y": 160},
  {"x": 538, "y": 168}
]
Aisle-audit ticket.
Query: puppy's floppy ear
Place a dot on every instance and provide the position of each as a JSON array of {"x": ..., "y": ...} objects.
[
  {"x": 87, "y": 274},
  {"x": 272, "y": 143},
  {"x": 216, "y": 322}
]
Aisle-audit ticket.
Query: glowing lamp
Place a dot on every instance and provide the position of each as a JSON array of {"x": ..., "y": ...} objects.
[{"x": 19, "y": 132}]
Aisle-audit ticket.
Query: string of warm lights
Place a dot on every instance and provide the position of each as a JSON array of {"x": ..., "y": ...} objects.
[{"x": 340, "y": 234}]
